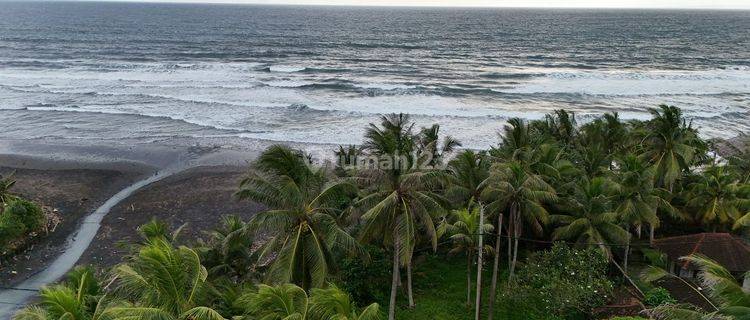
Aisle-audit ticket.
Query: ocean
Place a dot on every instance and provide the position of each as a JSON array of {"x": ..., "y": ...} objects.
[{"x": 94, "y": 72}]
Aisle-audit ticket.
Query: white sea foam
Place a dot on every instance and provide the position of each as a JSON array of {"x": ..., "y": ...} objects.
[
  {"x": 288, "y": 83},
  {"x": 622, "y": 82},
  {"x": 245, "y": 100},
  {"x": 384, "y": 86},
  {"x": 286, "y": 68}
]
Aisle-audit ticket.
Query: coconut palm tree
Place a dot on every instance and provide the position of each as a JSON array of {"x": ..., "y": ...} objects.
[
  {"x": 593, "y": 159},
  {"x": 161, "y": 281},
  {"x": 287, "y": 301},
  {"x": 560, "y": 126},
  {"x": 467, "y": 171},
  {"x": 401, "y": 197},
  {"x": 718, "y": 200},
  {"x": 301, "y": 221},
  {"x": 638, "y": 201},
  {"x": 516, "y": 141},
  {"x": 728, "y": 296},
  {"x": 158, "y": 230},
  {"x": 510, "y": 186},
  {"x": 615, "y": 135},
  {"x": 284, "y": 301},
  {"x": 552, "y": 164},
  {"x": 431, "y": 152},
  {"x": 588, "y": 216},
  {"x": 228, "y": 251},
  {"x": 740, "y": 163},
  {"x": 347, "y": 159},
  {"x": 537, "y": 152},
  {"x": 79, "y": 297},
  {"x": 602, "y": 140},
  {"x": 670, "y": 144},
  {"x": 463, "y": 228},
  {"x": 334, "y": 304}
]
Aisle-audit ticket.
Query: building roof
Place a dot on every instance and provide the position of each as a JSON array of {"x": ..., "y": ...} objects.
[
  {"x": 731, "y": 252},
  {"x": 684, "y": 293}
]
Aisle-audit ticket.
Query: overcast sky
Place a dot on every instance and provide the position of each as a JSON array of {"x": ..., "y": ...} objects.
[{"x": 705, "y": 4}]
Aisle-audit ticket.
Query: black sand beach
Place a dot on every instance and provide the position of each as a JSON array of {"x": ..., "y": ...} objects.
[
  {"x": 198, "y": 198},
  {"x": 197, "y": 189},
  {"x": 71, "y": 192}
]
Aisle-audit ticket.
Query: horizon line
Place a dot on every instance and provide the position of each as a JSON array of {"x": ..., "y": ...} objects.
[{"x": 375, "y": 5}]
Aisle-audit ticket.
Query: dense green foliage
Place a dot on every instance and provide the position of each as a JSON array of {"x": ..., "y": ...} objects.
[
  {"x": 590, "y": 189},
  {"x": 658, "y": 296},
  {"x": 564, "y": 281},
  {"x": 302, "y": 220},
  {"x": 161, "y": 280},
  {"x": 19, "y": 219},
  {"x": 366, "y": 280}
]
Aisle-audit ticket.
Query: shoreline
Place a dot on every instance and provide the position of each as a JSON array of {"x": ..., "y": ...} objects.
[{"x": 88, "y": 184}]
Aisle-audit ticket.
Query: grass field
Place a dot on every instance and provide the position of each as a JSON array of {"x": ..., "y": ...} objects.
[{"x": 440, "y": 292}]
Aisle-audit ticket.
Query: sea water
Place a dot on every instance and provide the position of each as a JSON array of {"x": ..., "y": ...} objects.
[{"x": 93, "y": 72}]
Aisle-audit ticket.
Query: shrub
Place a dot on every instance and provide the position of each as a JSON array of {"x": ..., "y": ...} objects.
[
  {"x": 563, "y": 281},
  {"x": 366, "y": 280},
  {"x": 30, "y": 214},
  {"x": 658, "y": 296},
  {"x": 11, "y": 228},
  {"x": 19, "y": 218}
]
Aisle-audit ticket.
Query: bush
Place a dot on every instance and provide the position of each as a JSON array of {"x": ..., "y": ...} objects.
[
  {"x": 658, "y": 296},
  {"x": 30, "y": 214},
  {"x": 18, "y": 219},
  {"x": 11, "y": 228},
  {"x": 367, "y": 280},
  {"x": 563, "y": 281}
]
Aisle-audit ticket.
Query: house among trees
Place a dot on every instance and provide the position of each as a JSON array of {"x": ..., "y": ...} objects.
[{"x": 728, "y": 250}]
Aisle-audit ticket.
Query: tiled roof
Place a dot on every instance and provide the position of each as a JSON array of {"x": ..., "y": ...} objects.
[
  {"x": 731, "y": 252},
  {"x": 683, "y": 293}
]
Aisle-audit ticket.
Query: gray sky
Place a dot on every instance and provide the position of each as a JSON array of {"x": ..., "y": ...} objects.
[{"x": 704, "y": 4}]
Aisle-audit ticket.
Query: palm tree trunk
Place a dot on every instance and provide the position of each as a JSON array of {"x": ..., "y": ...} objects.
[
  {"x": 409, "y": 291},
  {"x": 510, "y": 238},
  {"x": 627, "y": 252},
  {"x": 510, "y": 249},
  {"x": 651, "y": 233},
  {"x": 515, "y": 256},
  {"x": 495, "y": 266},
  {"x": 394, "y": 280},
  {"x": 624, "y": 274},
  {"x": 516, "y": 235},
  {"x": 468, "y": 279},
  {"x": 478, "y": 304}
]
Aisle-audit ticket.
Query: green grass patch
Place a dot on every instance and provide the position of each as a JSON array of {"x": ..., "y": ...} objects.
[{"x": 440, "y": 292}]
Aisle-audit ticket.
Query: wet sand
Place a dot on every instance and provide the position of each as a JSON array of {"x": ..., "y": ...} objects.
[
  {"x": 87, "y": 184},
  {"x": 72, "y": 192},
  {"x": 197, "y": 198}
]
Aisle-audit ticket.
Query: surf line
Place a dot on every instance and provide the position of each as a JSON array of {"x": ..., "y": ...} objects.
[{"x": 12, "y": 299}]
